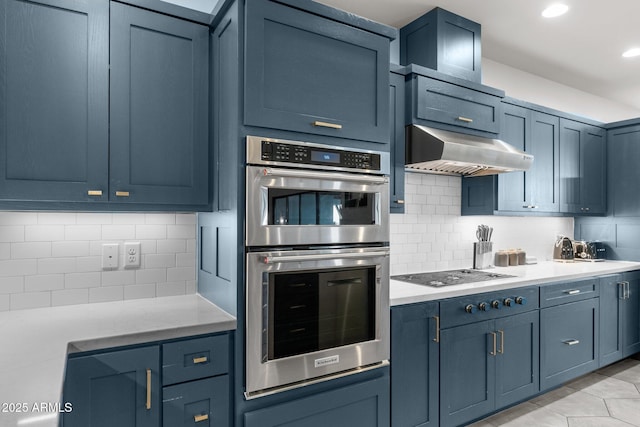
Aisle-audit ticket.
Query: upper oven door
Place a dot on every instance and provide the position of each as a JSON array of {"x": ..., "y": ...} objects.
[{"x": 308, "y": 207}]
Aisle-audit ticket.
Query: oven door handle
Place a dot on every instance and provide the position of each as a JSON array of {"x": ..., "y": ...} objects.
[
  {"x": 294, "y": 258},
  {"x": 366, "y": 179}
]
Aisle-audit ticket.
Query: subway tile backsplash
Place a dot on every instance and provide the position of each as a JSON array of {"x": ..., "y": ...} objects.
[
  {"x": 432, "y": 235},
  {"x": 55, "y": 258}
]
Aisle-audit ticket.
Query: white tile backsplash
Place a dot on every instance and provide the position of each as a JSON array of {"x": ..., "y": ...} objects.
[
  {"x": 432, "y": 235},
  {"x": 55, "y": 258}
]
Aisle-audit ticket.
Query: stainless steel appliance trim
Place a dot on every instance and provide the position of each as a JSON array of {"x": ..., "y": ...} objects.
[
  {"x": 269, "y": 392},
  {"x": 264, "y": 375},
  {"x": 366, "y": 179},
  {"x": 254, "y": 156},
  {"x": 260, "y": 233},
  {"x": 293, "y": 258}
]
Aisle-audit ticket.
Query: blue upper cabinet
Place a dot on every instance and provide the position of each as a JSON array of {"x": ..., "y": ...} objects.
[
  {"x": 102, "y": 102},
  {"x": 445, "y": 42},
  {"x": 54, "y": 62},
  {"x": 544, "y": 174},
  {"x": 158, "y": 108},
  {"x": 624, "y": 175},
  {"x": 452, "y": 104},
  {"x": 310, "y": 74},
  {"x": 582, "y": 168}
]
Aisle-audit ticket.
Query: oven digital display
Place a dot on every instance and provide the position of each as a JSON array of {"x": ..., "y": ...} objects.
[{"x": 325, "y": 156}]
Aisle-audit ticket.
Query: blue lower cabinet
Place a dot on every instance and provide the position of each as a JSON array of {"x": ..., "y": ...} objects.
[
  {"x": 467, "y": 373},
  {"x": 361, "y": 404},
  {"x": 569, "y": 341},
  {"x": 612, "y": 293},
  {"x": 201, "y": 403},
  {"x": 414, "y": 365},
  {"x": 120, "y": 388},
  {"x": 486, "y": 366},
  {"x": 631, "y": 314}
]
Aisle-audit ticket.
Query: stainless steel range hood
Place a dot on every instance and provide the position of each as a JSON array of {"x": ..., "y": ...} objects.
[{"x": 440, "y": 151}]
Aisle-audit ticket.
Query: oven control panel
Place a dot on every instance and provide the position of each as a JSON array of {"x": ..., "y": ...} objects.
[{"x": 293, "y": 153}]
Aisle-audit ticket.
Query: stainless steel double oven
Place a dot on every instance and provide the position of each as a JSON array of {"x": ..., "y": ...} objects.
[{"x": 317, "y": 233}]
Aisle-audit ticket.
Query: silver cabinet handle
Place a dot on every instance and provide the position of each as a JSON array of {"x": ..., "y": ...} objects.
[
  {"x": 530, "y": 206},
  {"x": 572, "y": 292},
  {"x": 495, "y": 344},
  {"x": 627, "y": 290},
  {"x": 501, "y": 351},
  {"x": 437, "y": 338},
  {"x": 286, "y": 173},
  {"x": 622, "y": 290},
  {"x": 294, "y": 258},
  {"x": 572, "y": 342},
  {"x": 148, "y": 403},
  {"x": 400, "y": 202},
  {"x": 465, "y": 119},
  {"x": 327, "y": 125}
]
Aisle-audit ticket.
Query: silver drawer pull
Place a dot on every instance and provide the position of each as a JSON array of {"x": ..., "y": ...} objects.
[
  {"x": 327, "y": 125},
  {"x": 197, "y": 360},
  {"x": 198, "y": 418},
  {"x": 572, "y": 342},
  {"x": 465, "y": 119},
  {"x": 572, "y": 292},
  {"x": 530, "y": 206}
]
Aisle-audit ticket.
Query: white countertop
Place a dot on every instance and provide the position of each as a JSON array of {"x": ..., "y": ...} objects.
[
  {"x": 34, "y": 343},
  {"x": 534, "y": 274}
]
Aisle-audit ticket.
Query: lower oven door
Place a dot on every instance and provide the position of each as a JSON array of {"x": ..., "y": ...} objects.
[
  {"x": 314, "y": 313},
  {"x": 309, "y": 207}
]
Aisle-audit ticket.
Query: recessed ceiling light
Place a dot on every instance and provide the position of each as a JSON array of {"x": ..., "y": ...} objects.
[
  {"x": 554, "y": 10},
  {"x": 632, "y": 52}
]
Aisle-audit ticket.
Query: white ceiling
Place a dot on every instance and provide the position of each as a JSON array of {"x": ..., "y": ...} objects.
[{"x": 581, "y": 49}]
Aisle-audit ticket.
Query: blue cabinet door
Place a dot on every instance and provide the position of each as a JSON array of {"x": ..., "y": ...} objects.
[
  {"x": 518, "y": 358},
  {"x": 623, "y": 150},
  {"x": 544, "y": 172},
  {"x": 158, "y": 108},
  {"x": 201, "y": 403},
  {"x": 514, "y": 188},
  {"x": 631, "y": 314},
  {"x": 611, "y": 318},
  {"x": 306, "y": 73},
  {"x": 414, "y": 365},
  {"x": 360, "y": 404},
  {"x": 582, "y": 168},
  {"x": 397, "y": 149},
  {"x": 121, "y": 389},
  {"x": 569, "y": 341},
  {"x": 441, "y": 102},
  {"x": 467, "y": 372},
  {"x": 54, "y": 61}
]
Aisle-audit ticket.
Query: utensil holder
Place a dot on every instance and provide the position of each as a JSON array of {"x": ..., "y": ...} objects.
[{"x": 482, "y": 255}]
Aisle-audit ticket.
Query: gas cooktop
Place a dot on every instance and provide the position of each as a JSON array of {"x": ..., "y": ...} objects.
[{"x": 447, "y": 278}]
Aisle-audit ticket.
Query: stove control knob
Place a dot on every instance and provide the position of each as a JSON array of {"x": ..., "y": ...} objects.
[
  {"x": 484, "y": 306},
  {"x": 508, "y": 302},
  {"x": 521, "y": 300},
  {"x": 497, "y": 304},
  {"x": 470, "y": 308}
]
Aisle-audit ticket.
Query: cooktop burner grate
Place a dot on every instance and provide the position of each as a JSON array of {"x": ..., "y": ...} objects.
[{"x": 448, "y": 278}]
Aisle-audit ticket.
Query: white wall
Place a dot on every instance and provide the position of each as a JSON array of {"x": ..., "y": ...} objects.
[
  {"x": 529, "y": 87},
  {"x": 432, "y": 235},
  {"x": 54, "y": 258}
]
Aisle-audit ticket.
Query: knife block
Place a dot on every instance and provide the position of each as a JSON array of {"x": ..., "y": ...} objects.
[{"x": 482, "y": 255}]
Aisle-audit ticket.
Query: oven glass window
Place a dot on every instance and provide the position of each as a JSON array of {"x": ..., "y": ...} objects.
[
  {"x": 303, "y": 207},
  {"x": 311, "y": 311}
]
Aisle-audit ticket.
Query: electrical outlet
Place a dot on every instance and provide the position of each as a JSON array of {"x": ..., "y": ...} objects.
[
  {"x": 132, "y": 255},
  {"x": 110, "y": 256}
]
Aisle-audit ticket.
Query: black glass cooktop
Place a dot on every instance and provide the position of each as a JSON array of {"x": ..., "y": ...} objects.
[{"x": 450, "y": 277}]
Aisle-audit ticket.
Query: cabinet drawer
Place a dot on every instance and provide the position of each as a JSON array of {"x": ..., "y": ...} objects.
[
  {"x": 197, "y": 358},
  {"x": 568, "y": 341},
  {"x": 450, "y": 104},
  {"x": 562, "y": 293},
  {"x": 197, "y": 404}
]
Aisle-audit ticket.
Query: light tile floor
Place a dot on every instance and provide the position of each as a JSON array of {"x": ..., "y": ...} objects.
[{"x": 609, "y": 397}]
